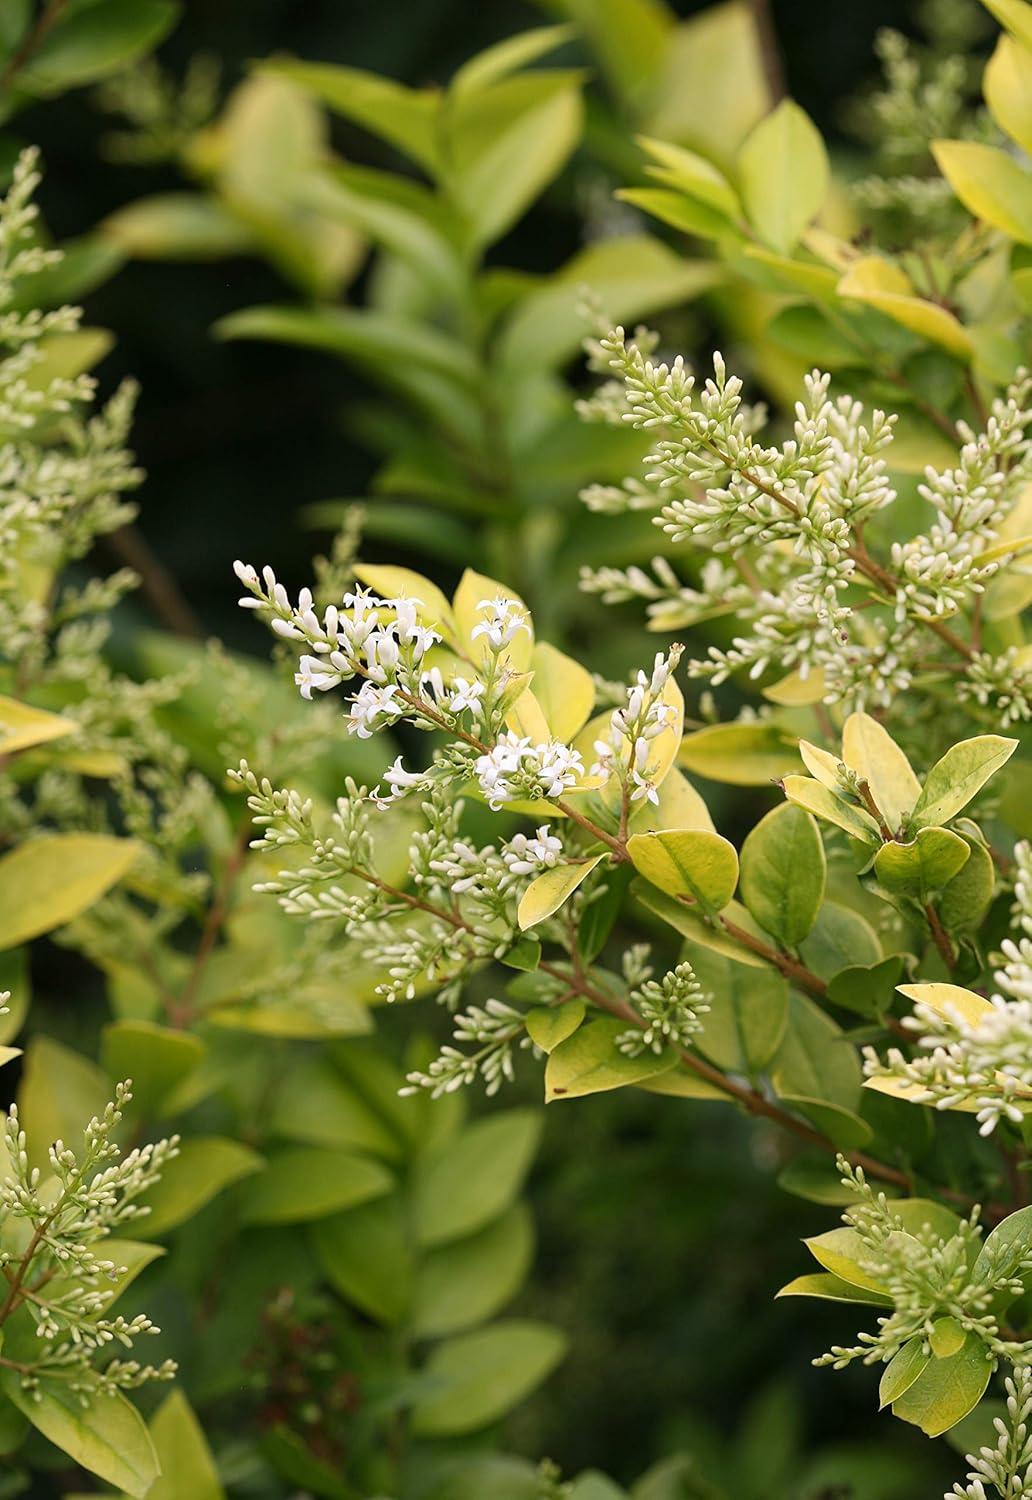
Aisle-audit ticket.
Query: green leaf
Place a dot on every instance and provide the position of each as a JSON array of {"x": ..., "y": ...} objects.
[
  {"x": 506, "y": 57},
  {"x": 547, "y": 892},
  {"x": 365, "y": 1254},
  {"x": 405, "y": 118},
  {"x": 690, "y": 924},
  {"x": 107, "y": 1436},
  {"x": 177, "y": 226},
  {"x": 680, "y": 210},
  {"x": 678, "y": 167},
  {"x": 884, "y": 286},
  {"x": 923, "y": 866},
  {"x": 1015, "y": 15},
  {"x": 784, "y": 871},
  {"x": 1005, "y": 1244},
  {"x": 156, "y": 1058},
  {"x": 783, "y": 175},
  {"x": 965, "y": 901},
  {"x": 315, "y": 1107},
  {"x": 990, "y": 184},
  {"x": 691, "y": 102},
  {"x": 187, "y": 1468},
  {"x": 873, "y": 754},
  {"x": 841, "y": 939},
  {"x": 467, "y": 1183},
  {"x": 687, "y": 862},
  {"x": 958, "y": 776},
  {"x": 816, "y": 1061},
  {"x": 307, "y": 1182},
  {"x": 506, "y": 145},
  {"x": 867, "y": 989},
  {"x": 48, "y": 881},
  {"x": 548, "y": 1025},
  {"x": 748, "y": 1012},
  {"x": 810, "y": 795},
  {"x": 1007, "y": 84},
  {"x": 524, "y": 955},
  {"x": 205, "y": 1166},
  {"x": 21, "y": 726},
  {"x": 589, "y": 1062},
  {"x": 843, "y": 1253},
  {"x": 478, "y": 1377},
  {"x": 740, "y": 754},
  {"x": 468, "y": 1281},
  {"x": 947, "y": 1389},
  {"x": 901, "y": 1372},
  {"x": 93, "y": 41},
  {"x": 832, "y": 1288},
  {"x": 633, "y": 276},
  {"x": 59, "y": 1093}
]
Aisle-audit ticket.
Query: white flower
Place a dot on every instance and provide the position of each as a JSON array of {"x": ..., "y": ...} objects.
[
  {"x": 313, "y": 673},
  {"x": 514, "y": 768},
  {"x": 528, "y": 856},
  {"x": 465, "y": 695},
  {"x": 507, "y": 616},
  {"x": 371, "y": 704}
]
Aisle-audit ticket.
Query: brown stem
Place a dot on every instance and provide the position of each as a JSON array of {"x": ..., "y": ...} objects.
[
  {"x": 867, "y": 798},
  {"x": 181, "y": 1013},
  {"x": 157, "y": 584},
  {"x": 791, "y": 967},
  {"x": 33, "y": 40},
  {"x": 940, "y": 936},
  {"x": 770, "y": 52}
]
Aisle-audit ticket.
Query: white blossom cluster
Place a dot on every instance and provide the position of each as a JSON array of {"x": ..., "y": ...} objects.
[
  {"x": 791, "y": 519},
  {"x": 671, "y": 1011},
  {"x": 461, "y": 912},
  {"x": 1006, "y": 1468},
  {"x": 58, "y": 1278},
  {"x": 983, "y": 1064},
  {"x": 670, "y": 603},
  {"x": 383, "y": 642},
  {"x": 496, "y": 1029},
  {"x": 627, "y": 750},
  {"x": 929, "y": 1277}
]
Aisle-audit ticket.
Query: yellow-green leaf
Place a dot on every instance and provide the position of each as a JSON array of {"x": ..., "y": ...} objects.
[
  {"x": 687, "y": 862},
  {"x": 402, "y": 583},
  {"x": 740, "y": 754},
  {"x": 823, "y": 803},
  {"x": 1015, "y": 15},
  {"x": 48, "y": 881},
  {"x": 882, "y": 285},
  {"x": 958, "y": 776},
  {"x": 473, "y": 589},
  {"x": 589, "y": 1062},
  {"x": 564, "y": 689},
  {"x": 925, "y": 865},
  {"x": 549, "y": 891},
  {"x": 873, "y": 754},
  {"x": 990, "y": 184},
  {"x": 1007, "y": 84},
  {"x": 783, "y": 174},
  {"x": 548, "y": 1025},
  {"x": 21, "y": 725}
]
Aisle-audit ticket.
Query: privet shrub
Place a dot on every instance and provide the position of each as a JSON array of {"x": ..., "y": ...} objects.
[{"x": 491, "y": 823}]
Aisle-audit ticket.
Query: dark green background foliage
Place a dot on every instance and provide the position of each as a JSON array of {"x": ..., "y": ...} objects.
[
  {"x": 661, "y": 1229},
  {"x": 255, "y": 431}
]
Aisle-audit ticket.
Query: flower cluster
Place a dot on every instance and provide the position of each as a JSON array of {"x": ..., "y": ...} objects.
[
  {"x": 791, "y": 519},
  {"x": 671, "y": 1011},
  {"x": 627, "y": 752},
  {"x": 976, "y": 1054},
  {"x": 1007, "y": 1466},
  {"x": 930, "y": 1277},
  {"x": 57, "y": 1280},
  {"x": 516, "y": 768}
]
